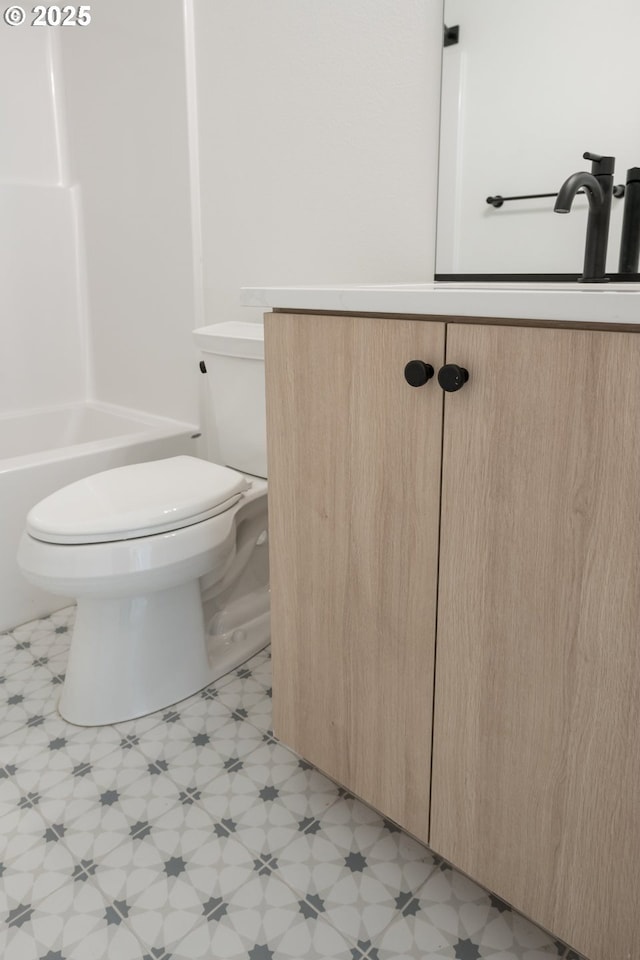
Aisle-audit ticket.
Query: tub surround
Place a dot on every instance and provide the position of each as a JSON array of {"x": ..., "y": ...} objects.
[
  {"x": 607, "y": 304},
  {"x": 496, "y": 518},
  {"x": 66, "y": 430}
]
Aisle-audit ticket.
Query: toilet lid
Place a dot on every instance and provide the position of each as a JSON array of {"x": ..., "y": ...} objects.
[{"x": 135, "y": 501}]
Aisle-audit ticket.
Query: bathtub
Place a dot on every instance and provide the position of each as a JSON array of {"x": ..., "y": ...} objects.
[{"x": 44, "y": 450}]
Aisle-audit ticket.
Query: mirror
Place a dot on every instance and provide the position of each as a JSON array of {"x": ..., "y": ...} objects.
[{"x": 526, "y": 90}]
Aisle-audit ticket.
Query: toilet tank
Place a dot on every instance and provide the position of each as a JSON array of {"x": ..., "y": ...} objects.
[{"x": 233, "y": 355}]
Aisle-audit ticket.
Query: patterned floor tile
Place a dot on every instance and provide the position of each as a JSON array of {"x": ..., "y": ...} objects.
[
  {"x": 455, "y": 904},
  {"x": 421, "y": 939},
  {"x": 352, "y": 821},
  {"x": 362, "y": 884},
  {"x": 263, "y": 920},
  {"x": 172, "y": 872},
  {"x": 202, "y": 721},
  {"x": 21, "y": 822},
  {"x": 197, "y": 750},
  {"x": 16, "y": 656},
  {"x": 42, "y": 726},
  {"x": 105, "y": 799},
  {"x": 14, "y": 799},
  {"x": 248, "y": 698},
  {"x": 527, "y": 936},
  {"x": 57, "y": 774},
  {"x": 22, "y": 631},
  {"x": 53, "y": 642},
  {"x": 31, "y": 866},
  {"x": 73, "y": 923},
  {"x": 44, "y": 730},
  {"x": 456, "y": 917},
  {"x": 257, "y": 667},
  {"x": 26, "y": 700},
  {"x": 192, "y": 833},
  {"x": 42, "y": 641},
  {"x": 260, "y": 667},
  {"x": 26, "y": 788},
  {"x": 269, "y": 794},
  {"x": 134, "y": 732}
]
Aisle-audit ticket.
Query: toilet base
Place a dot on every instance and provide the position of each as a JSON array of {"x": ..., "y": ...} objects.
[
  {"x": 132, "y": 656},
  {"x": 238, "y": 634},
  {"x": 231, "y": 652}
]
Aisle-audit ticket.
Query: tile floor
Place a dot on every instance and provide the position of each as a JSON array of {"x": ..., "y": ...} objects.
[{"x": 193, "y": 833}]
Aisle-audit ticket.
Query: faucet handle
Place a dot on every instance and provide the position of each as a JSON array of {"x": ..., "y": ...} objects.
[{"x": 600, "y": 165}]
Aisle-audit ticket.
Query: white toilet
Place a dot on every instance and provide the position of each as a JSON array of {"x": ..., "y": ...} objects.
[{"x": 167, "y": 559}]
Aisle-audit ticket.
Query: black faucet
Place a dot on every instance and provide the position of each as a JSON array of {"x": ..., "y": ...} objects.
[
  {"x": 598, "y": 186},
  {"x": 630, "y": 237}
]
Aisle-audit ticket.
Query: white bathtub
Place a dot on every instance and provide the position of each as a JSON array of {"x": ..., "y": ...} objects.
[{"x": 44, "y": 450}]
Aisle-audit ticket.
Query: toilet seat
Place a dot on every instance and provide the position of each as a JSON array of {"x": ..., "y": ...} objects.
[
  {"x": 136, "y": 501},
  {"x": 134, "y": 566}
]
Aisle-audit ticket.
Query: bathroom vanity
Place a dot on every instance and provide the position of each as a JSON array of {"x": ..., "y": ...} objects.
[{"x": 455, "y": 579}]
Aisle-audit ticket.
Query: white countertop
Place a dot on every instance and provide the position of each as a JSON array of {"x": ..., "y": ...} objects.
[{"x": 615, "y": 303}]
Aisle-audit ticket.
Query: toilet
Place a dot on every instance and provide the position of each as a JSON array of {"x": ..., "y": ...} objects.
[{"x": 167, "y": 559}]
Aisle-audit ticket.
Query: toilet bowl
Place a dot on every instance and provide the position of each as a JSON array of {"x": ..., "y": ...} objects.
[
  {"x": 131, "y": 545},
  {"x": 167, "y": 560}
]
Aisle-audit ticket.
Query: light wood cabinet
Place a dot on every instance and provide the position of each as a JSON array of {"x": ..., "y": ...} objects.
[
  {"x": 514, "y": 505},
  {"x": 354, "y": 468}
]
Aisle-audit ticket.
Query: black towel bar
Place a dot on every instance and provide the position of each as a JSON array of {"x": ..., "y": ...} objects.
[{"x": 497, "y": 201}]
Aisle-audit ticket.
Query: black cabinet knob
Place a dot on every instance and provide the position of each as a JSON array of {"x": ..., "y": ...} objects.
[
  {"x": 416, "y": 373},
  {"x": 451, "y": 377}
]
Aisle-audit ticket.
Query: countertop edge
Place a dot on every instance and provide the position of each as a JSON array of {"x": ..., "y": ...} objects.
[{"x": 559, "y": 303}]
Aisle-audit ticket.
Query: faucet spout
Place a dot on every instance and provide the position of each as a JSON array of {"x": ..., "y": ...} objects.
[
  {"x": 598, "y": 187},
  {"x": 579, "y": 181}
]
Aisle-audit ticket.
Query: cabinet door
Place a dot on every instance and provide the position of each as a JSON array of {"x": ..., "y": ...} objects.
[
  {"x": 536, "y": 766},
  {"x": 354, "y": 475}
]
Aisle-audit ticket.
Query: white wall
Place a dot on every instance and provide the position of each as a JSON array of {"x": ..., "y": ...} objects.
[
  {"x": 125, "y": 92},
  {"x": 200, "y": 147},
  {"x": 527, "y": 90},
  {"x": 41, "y": 320},
  {"x": 318, "y": 129}
]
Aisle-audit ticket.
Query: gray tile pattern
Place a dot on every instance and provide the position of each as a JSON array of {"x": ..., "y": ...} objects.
[{"x": 194, "y": 833}]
